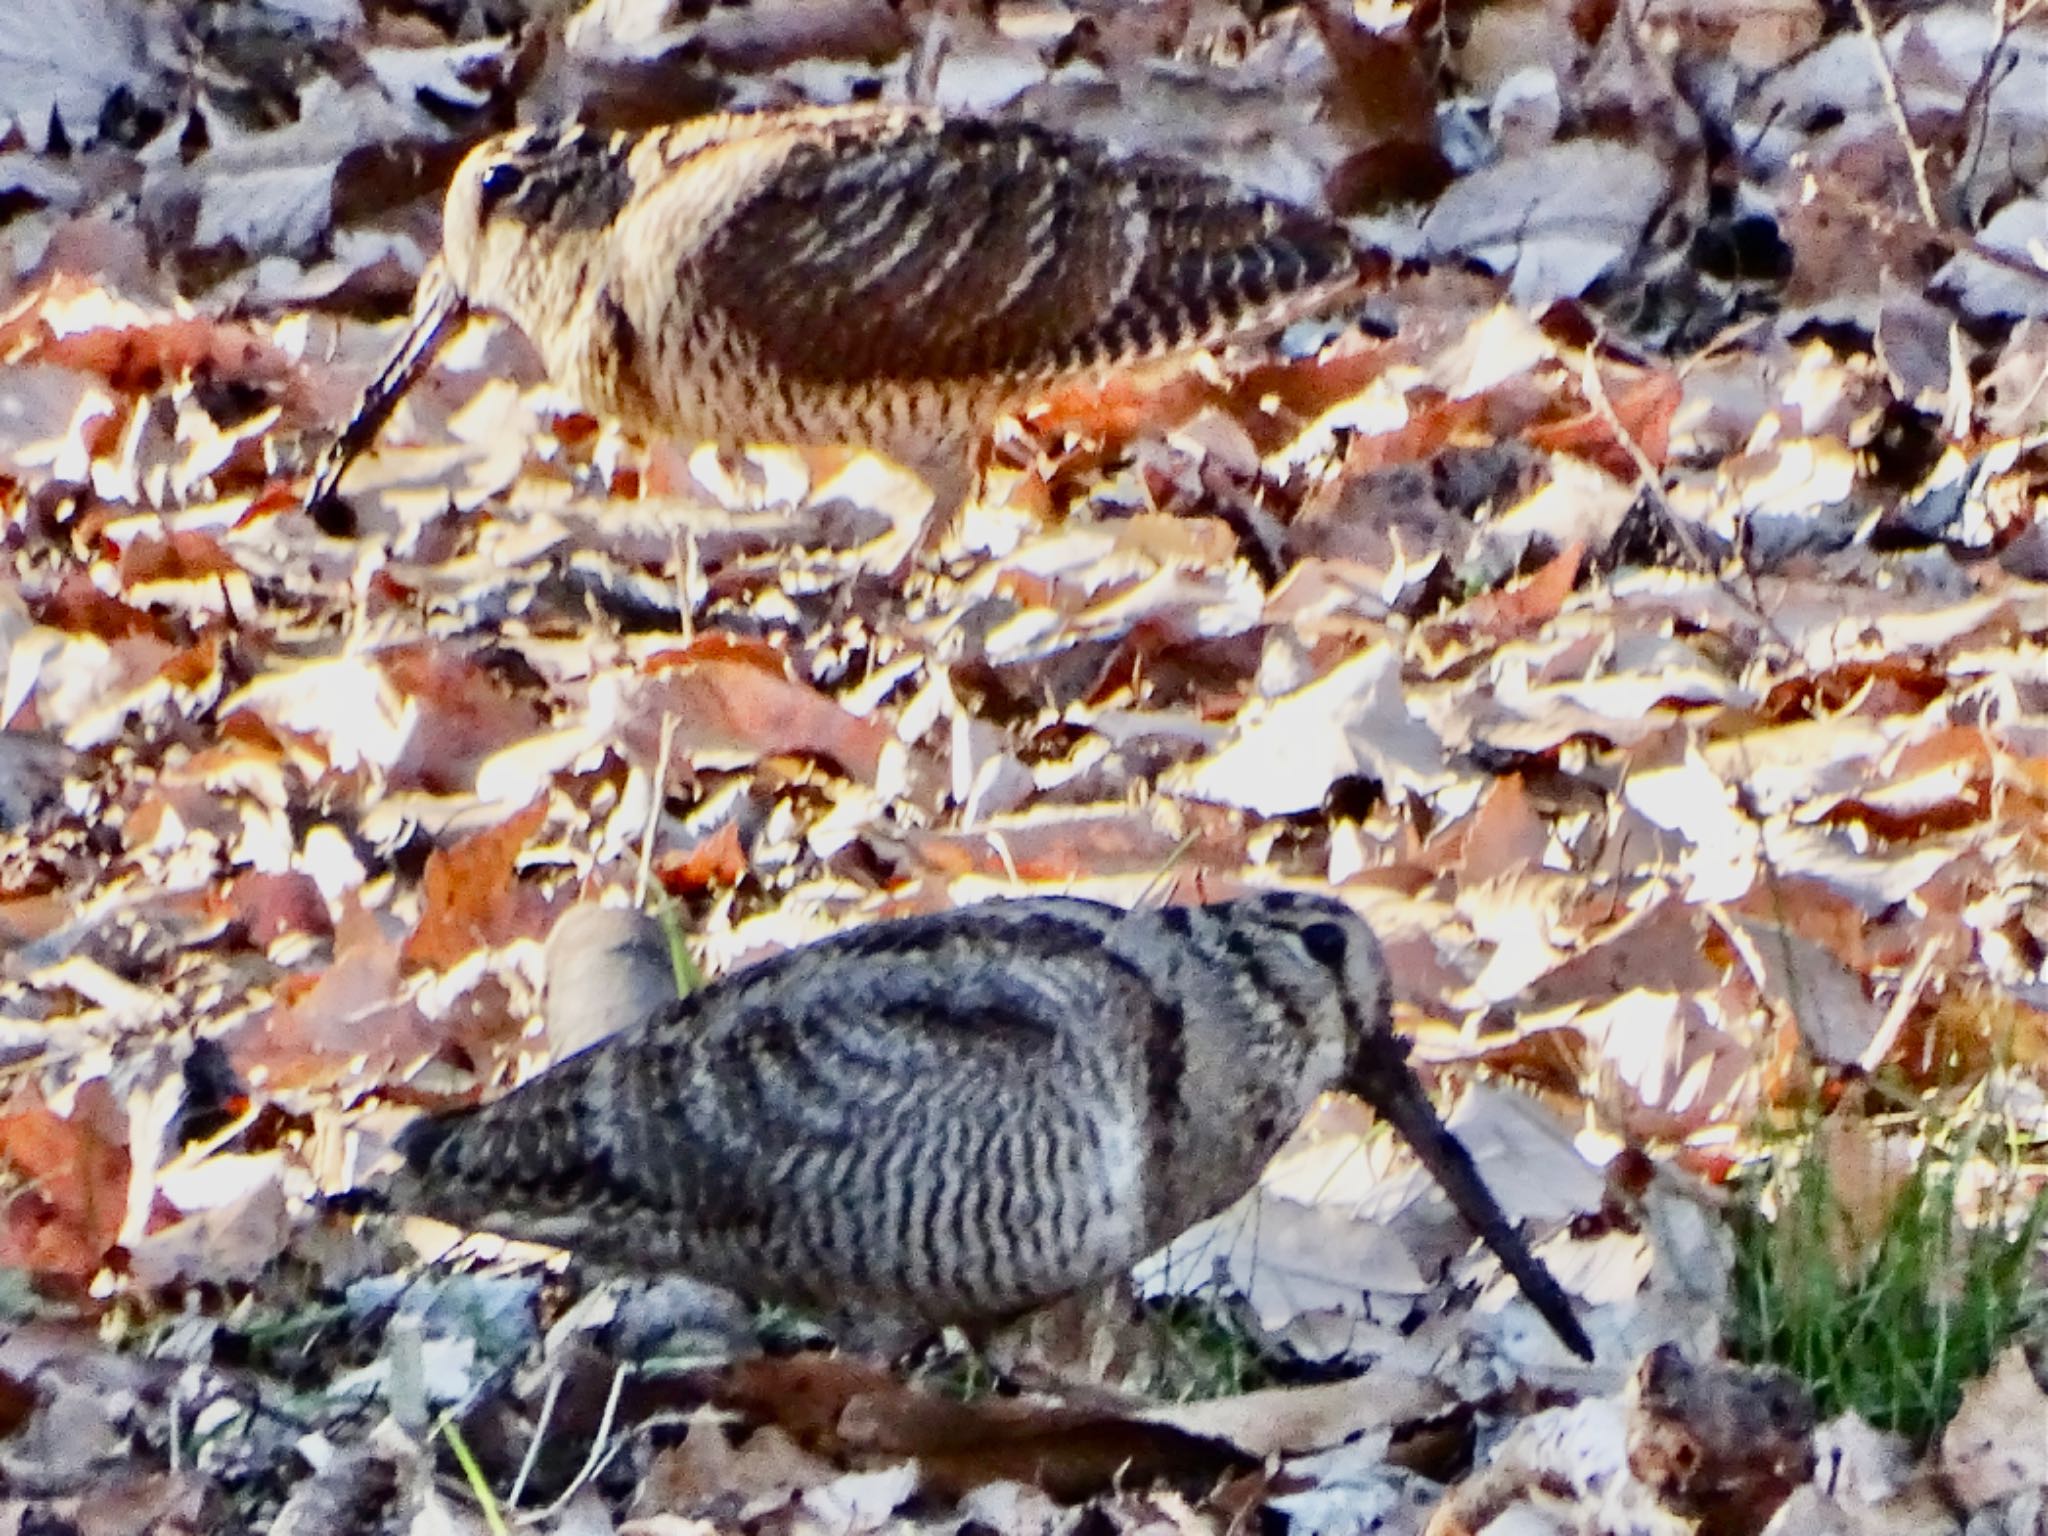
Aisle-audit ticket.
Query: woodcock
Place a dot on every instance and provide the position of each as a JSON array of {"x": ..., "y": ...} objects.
[
  {"x": 876, "y": 276},
  {"x": 956, "y": 1118}
]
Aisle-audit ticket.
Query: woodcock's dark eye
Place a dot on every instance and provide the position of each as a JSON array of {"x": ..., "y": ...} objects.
[
  {"x": 499, "y": 182},
  {"x": 1325, "y": 944}
]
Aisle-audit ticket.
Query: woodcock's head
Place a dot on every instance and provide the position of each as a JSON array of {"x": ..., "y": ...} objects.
[
  {"x": 1315, "y": 961},
  {"x": 1287, "y": 944},
  {"x": 526, "y": 211},
  {"x": 1273, "y": 997}
]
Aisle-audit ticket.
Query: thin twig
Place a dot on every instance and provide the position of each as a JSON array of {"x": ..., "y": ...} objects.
[
  {"x": 1649, "y": 478},
  {"x": 1911, "y": 985},
  {"x": 1975, "y": 115},
  {"x": 540, "y": 1435},
  {"x": 1650, "y": 483},
  {"x": 655, "y": 797},
  {"x": 1162, "y": 877},
  {"x": 1895, "y": 105},
  {"x": 601, "y": 1448},
  {"x": 690, "y": 589},
  {"x": 175, "y": 1409}
]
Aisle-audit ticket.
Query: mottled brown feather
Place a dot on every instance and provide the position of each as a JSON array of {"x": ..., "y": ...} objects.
[{"x": 948, "y": 250}]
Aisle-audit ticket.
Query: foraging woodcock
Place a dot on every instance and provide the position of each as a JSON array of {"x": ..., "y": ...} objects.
[
  {"x": 957, "y": 1117},
  {"x": 878, "y": 276}
]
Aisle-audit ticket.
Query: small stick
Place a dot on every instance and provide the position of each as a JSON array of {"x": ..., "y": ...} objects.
[
  {"x": 438, "y": 311},
  {"x": 1895, "y": 105}
]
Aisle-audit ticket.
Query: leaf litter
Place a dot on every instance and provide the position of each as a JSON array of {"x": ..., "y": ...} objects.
[{"x": 1636, "y": 611}]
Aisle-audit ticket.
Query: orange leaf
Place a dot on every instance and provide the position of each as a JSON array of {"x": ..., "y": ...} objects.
[
  {"x": 1529, "y": 603},
  {"x": 716, "y": 861},
  {"x": 718, "y": 646},
  {"x": 81, "y": 608},
  {"x": 268, "y": 906},
  {"x": 474, "y": 897},
  {"x": 184, "y": 556},
  {"x": 1643, "y": 406},
  {"x": 69, "y": 1184}
]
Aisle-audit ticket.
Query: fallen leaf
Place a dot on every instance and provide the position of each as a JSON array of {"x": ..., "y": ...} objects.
[
  {"x": 70, "y": 1181},
  {"x": 1997, "y": 1444}
]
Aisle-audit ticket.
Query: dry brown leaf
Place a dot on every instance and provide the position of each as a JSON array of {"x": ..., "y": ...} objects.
[
  {"x": 1504, "y": 835},
  {"x": 740, "y": 703},
  {"x": 1286, "y": 752},
  {"x": 1290, "y": 1420},
  {"x": 1072, "y": 1453},
  {"x": 1636, "y": 420},
  {"x": 1528, "y": 604},
  {"x": 332, "y": 1028},
  {"x": 269, "y": 907},
  {"x": 708, "y": 1469},
  {"x": 465, "y": 712},
  {"x": 1828, "y": 1002},
  {"x": 1055, "y": 846},
  {"x": 474, "y": 897},
  {"x": 69, "y": 1179},
  {"x": 1997, "y": 1444},
  {"x": 841, "y": 1409}
]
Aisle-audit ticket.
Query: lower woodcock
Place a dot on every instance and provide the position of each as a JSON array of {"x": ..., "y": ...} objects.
[{"x": 956, "y": 1118}]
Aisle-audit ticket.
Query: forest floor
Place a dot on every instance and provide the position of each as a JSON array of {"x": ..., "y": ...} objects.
[{"x": 1638, "y": 610}]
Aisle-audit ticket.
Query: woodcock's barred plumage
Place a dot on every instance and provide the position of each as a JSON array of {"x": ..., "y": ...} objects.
[
  {"x": 958, "y": 1117},
  {"x": 877, "y": 276}
]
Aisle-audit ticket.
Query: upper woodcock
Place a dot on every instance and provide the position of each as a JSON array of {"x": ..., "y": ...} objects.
[
  {"x": 956, "y": 1117},
  {"x": 877, "y": 276}
]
